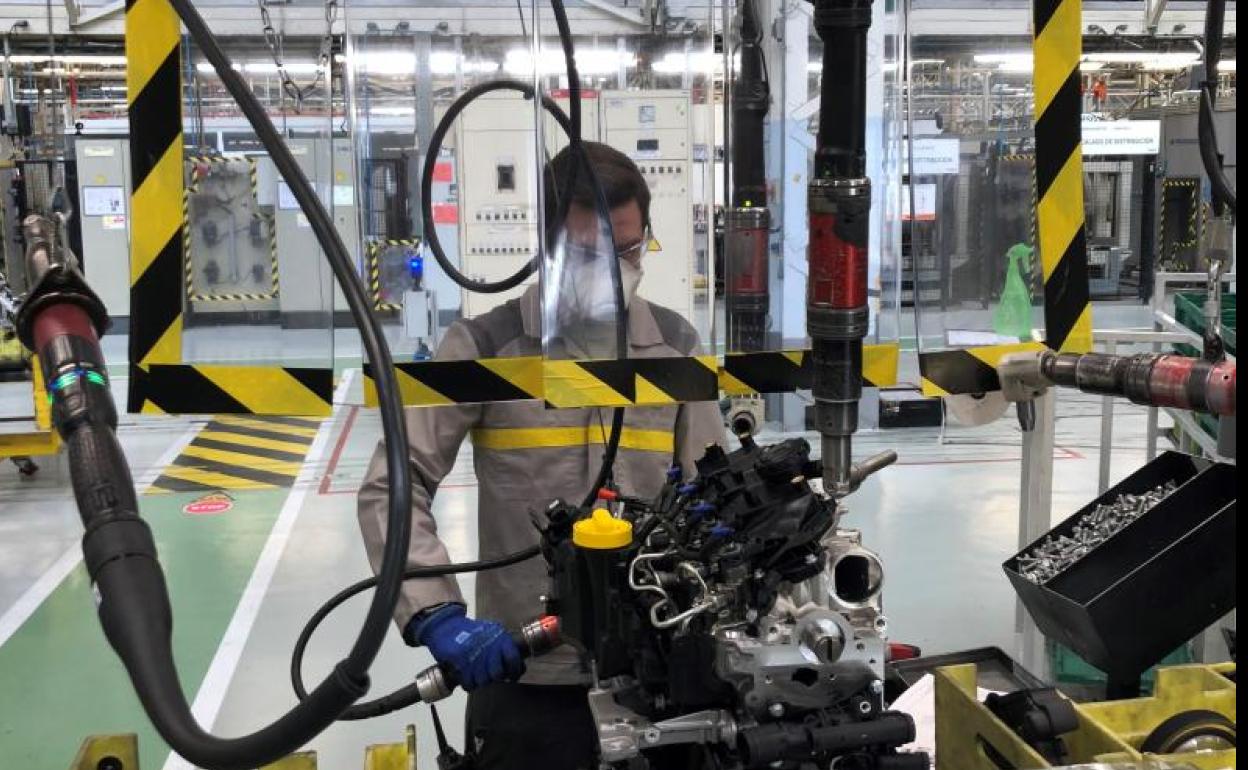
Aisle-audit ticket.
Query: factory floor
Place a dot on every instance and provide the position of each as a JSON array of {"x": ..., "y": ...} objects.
[{"x": 244, "y": 579}]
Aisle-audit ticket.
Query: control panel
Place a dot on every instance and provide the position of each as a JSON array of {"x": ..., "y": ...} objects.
[{"x": 654, "y": 129}]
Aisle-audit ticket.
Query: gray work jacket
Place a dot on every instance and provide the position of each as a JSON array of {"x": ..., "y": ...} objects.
[{"x": 524, "y": 456}]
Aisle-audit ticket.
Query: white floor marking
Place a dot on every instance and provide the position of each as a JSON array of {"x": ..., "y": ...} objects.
[
  {"x": 216, "y": 684},
  {"x": 344, "y": 386},
  {"x": 30, "y": 601}
]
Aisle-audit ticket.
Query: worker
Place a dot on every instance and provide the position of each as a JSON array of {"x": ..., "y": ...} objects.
[{"x": 526, "y": 455}]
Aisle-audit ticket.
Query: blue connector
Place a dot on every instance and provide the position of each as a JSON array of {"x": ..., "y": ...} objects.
[
  {"x": 686, "y": 489},
  {"x": 699, "y": 511},
  {"x": 722, "y": 530},
  {"x": 675, "y": 473}
]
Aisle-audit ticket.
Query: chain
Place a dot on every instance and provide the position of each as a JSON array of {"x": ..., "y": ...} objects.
[{"x": 324, "y": 59}]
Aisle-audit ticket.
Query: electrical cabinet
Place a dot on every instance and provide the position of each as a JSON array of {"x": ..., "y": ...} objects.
[
  {"x": 654, "y": 129},
  {"x": 306, "y": 282},
  {"x": 497, "y": 185},
  {"x": 497, "y": 179},
  {"x": 103, "y": 207}
]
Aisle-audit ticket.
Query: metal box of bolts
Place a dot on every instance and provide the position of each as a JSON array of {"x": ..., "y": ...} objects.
[
  {"x": 1187, "y": 724},
  {"x": 1138, "y": 571}
]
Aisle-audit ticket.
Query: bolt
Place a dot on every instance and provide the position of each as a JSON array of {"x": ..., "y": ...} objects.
[
  {"x": 651, "y": 735},
  {"x": 877, "y": 687},
  {"x": 776, "y": 710}
]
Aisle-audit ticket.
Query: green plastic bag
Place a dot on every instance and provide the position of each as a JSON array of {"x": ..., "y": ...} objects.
[{"x": 1012, "y": 318}]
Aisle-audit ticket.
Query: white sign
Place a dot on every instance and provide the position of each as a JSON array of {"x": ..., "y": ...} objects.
[
  {"x": 1121, "y": 137},
  {"x": 103, "y": 201},
  {"x": 344, "y": 195},
  {"x": 285, "y": 198},
  {"x": 114, "y": 222},
  {"x": 924, "y": 202},
  {"x": 97, "y": 151},
  {"x": 932, "y": 156}
]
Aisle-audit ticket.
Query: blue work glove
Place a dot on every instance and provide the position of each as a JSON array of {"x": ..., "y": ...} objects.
[{"x": 477, "y": 652}]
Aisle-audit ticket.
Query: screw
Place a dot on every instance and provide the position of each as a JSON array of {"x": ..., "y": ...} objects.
[
  {"x": 776, "y": 710},
  {"x": 877, "y": 687}
]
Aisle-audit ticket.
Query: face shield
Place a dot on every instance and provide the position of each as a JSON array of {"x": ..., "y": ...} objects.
[{"x": 590, "y": 279}]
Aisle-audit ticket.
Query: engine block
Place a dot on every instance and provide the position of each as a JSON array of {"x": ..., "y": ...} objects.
[{"x": 729, "y": 622}]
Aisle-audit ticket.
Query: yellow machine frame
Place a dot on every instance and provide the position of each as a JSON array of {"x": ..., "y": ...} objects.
[{"x": 1108, "y": 732}]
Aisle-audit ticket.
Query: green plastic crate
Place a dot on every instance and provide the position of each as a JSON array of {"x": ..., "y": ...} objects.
[
  {"x": 1069, "y": 668},
  {"x": 1189, "y": 310}
]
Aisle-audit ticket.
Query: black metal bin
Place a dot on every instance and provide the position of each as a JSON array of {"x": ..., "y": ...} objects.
[{"x": 1152, "y": 586}]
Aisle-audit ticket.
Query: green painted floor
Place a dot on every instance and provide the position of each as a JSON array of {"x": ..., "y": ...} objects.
[{"x": 61, "y": 681}]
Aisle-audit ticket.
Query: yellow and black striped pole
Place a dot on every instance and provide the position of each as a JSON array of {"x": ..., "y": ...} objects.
[
  {"x": 1058, "y": 47},
  {"x": 154, "y": 87}
]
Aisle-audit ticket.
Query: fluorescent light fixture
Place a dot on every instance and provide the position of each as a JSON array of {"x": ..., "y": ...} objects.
[
  {"x": 592, "y": 61},
  {"x": 392, "y": 112},
  {"x": 1226, "y": 65},
  {"x": 1007, "y": 61},
  {"x": 99, "y": 60},
  {"x": 701, "y": 61},
  {"x": 270, "y": 67},
  {"x": 1151, "y": 60},
  {"x": 389, "y": 63},
  {"x": 206, "y": 68}
]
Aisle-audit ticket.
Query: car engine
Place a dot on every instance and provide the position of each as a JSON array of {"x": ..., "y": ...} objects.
[{"x": 729, "y": 622}]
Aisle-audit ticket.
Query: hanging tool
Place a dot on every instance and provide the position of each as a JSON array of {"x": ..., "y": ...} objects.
[
  {"x": 839, "y": 211},
  {"x": 747, "y": 221}
]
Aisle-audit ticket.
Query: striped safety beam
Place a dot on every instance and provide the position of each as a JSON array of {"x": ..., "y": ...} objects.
[
  {"x": 966, "y": 370},
  {"x": 1058, "y": 46},
  {"x": 627, "y": 382},
  {"x": 787, "y": 371},
  {"x": 154, "y": 89}
]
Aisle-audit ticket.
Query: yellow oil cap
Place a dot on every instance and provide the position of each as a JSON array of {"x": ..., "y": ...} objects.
[{"x": 602, "y": 531}]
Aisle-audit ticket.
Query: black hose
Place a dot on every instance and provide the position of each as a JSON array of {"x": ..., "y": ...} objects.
[
  {"x": 1223, "y": 192},
  {"x": 136, "y": 613},
  {"x": 408, "y": 695}
]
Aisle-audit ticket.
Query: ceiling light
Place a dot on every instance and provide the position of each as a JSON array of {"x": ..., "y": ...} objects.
[
  {"x": 701, "y": 61},
  {"x": 593, "y": 61}
]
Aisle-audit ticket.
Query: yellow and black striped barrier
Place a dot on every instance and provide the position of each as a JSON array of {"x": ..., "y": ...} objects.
[
  {"x": 561, "y": 384},
  {"x": 1058, "y": 47},
  {"x": 154, "y": 88},
  {"x": 373, "y": 250},
  {"x": 213, "y": 389},
  {"x": 159, "y": 380},
  {"x": 966, "y": 370},
  {"x": 623, "y": 382},
  {"x": 786, "y": 371}
]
